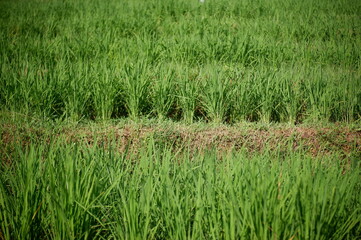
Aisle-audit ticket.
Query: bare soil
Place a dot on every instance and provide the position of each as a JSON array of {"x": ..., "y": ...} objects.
[{"x": 311, "y": 140}]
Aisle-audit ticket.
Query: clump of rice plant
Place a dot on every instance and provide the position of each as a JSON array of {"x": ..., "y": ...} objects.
[
  {"x": 135, "y": 88},
  {"x": 216, "y": 94},
  {"x": 163, "y": 90}
]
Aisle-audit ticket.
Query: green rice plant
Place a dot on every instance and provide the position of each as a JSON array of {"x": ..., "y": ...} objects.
[
  {"x": 267, "y": 94},
  {"x": 87, "y": 191},
  {"x": 163, "y": 90},
  {"x": 216, "y": 93},
  {"x": 135, "y": 88},
  {"x": 76, "y": 89},
  {"x": 292, "y": 98},
  {"x": 244, "y": 100},
  {"x": 320, "y": 96},
  {"x": 132, "y": 200},
  {"x": 52, "y": 193},
  {"x": 73, "y": 191},
  {"x": 104, "y": 91},
  {"x": 347, "y": 100},
  {"x": 66, "y": 63},
  {"x": 30, "y": 86},
  {"x": 318, "y": 224},
  {"x": 188, "y": 85},
  {"x": 21, "y": 197}
]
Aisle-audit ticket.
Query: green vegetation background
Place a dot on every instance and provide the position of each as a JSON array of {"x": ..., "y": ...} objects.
[
  {"x": 224, "y": 61},
  {"x": 220, "y": 61}
]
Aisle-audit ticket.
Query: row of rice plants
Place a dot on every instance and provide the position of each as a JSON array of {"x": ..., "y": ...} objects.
[
  {"x": 213, "y": 93},
  {"x": 75, "y": 191},
  {"x": 269, "y": 61}
]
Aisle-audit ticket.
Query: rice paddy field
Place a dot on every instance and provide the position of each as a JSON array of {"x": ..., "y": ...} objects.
[{"x": 180, "y": 119}]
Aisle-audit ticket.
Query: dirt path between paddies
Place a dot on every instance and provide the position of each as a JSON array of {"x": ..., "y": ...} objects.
[{"x": 333, "y": 139}]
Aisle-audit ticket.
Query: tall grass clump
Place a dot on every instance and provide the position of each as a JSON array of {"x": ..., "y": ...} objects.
[
  {"x": 292, "y": 99},
  {"x": 135, "y": 88},
  {"x": 163, "y": 91},
  {"x": 216, "y": 94},
  {"x": 105, "y": 89},
  {"x": 244, "y": 102},
  {"x": 21, "y": 193},
  {"x": 74, "y": 191},
  {"x": 267, "y": 95},
  {"x": 52, "y": 193},
  {"x": 188, "y": 93},
  {"x": 77, "y": 91}
]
